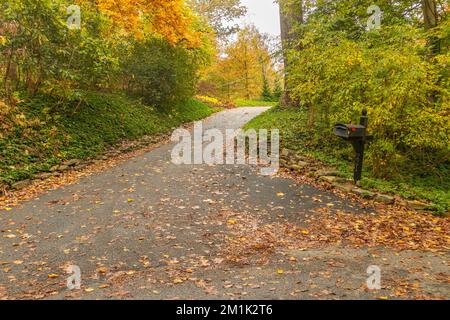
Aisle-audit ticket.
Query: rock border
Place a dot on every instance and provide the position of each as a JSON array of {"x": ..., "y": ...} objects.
[
  {"x": 78, "y": 165},
  {"x": 331, "y": 177}
]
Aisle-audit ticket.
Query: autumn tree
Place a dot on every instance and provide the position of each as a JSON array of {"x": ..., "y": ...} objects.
[
  {"x": 170, "y": 19},
  {"x": 241, "y": 69},
  {"x": 40, "y": 53}
]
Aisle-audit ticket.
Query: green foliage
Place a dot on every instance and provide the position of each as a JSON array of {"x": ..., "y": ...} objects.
[
  {"x": 42, "y": 55},
  {"x": 161, "y": 73},
  {"x": 266, "y": 94},
  {"x": 277, "y": 91}
]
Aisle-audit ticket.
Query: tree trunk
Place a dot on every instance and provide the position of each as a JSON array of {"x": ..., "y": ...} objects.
[
  {"x": 291, "y": 13},
  {"x": 429, "y": 9},
  {"x": 430, "y": 16},
  {"x": 246, "y": 66}
]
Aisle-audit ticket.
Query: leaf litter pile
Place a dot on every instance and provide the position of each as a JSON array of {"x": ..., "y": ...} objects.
[
  {"x": 251, "y": 241},
  {"x": 403, "y": 230}
]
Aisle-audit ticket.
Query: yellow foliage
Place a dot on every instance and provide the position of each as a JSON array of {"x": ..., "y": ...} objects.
[
  {"x": 240, "y": 71},
  {"x": 207, "y": 99},
  {"x": 170, "y": 19}
]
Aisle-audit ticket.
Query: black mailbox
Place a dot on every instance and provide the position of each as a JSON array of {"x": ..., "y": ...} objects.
[
  {"x": 349, "y": 131},
  {"x": 356, "y": 135}
]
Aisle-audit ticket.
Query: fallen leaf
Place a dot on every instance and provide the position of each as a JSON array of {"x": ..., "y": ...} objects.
[{"x": 102, "y": 270}]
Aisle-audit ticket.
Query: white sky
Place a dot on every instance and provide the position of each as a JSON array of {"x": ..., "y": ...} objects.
[{"x": 264, "y": 15}]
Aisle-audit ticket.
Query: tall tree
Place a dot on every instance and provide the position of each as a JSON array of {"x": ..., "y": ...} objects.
[{"x": 291, "y": 14}]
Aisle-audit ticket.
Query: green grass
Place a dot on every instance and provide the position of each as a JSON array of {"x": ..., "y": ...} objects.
[
  {"x": 75, "y": 130},
  {"x": 254, "y": 103},
  {"x": 295, "y": 136}
]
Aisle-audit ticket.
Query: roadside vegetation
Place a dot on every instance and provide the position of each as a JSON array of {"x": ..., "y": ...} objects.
[
  {"x": 341, "y": 61},
  {"x": 78, "y": 79},
  {"x": 422, "y": 184}
]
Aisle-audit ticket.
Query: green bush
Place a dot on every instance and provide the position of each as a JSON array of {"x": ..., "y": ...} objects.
[
  {"x": 161, "y": 73},
  {"x": 266, "y": 94}
]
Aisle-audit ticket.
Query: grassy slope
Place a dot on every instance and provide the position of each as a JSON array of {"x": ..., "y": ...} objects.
[
  {"x": 290, "y": 121},
  {"x": 75, "y": 131}
]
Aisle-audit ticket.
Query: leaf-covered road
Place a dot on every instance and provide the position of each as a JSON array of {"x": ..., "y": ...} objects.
[{"x": 149, "y": 229}]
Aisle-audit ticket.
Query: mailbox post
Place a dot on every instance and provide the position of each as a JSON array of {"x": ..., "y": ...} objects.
[{"x": 357, "y": 136}]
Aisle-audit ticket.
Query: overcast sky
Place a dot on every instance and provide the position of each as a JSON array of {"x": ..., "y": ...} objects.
[{"x": 264, "y": 15}]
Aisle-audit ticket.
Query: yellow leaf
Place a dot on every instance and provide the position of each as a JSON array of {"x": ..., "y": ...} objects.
[
  {"x": 280, "y": 271},
  {"x": 280, "y": 194},
  {"x": 53, "y": 276},
  {"x": 102, "y": 270},
  {"x": 231, "y": 222}
]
